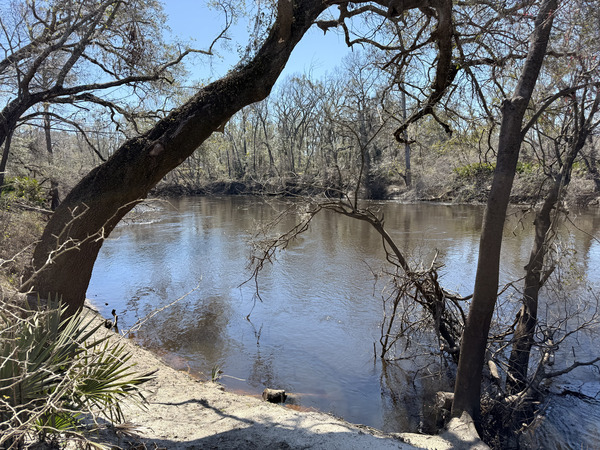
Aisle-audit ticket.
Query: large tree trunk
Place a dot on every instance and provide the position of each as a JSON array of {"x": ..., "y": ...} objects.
[
  {"x": 467, "y": 390},
  {"x": 64, "y": 258}
]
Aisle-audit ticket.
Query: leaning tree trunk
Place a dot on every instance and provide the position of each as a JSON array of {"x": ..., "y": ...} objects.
[
  {"x": 467, "y": 389},
  {"x": 64, "y": 258}
]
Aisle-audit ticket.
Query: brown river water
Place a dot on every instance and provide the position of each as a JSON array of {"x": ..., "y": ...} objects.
[{"x": 314, "y": 331}]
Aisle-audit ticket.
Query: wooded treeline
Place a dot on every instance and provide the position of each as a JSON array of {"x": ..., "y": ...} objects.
[
  {"x": 309, "y": 136},
  {"x": 315, "y": 135}
]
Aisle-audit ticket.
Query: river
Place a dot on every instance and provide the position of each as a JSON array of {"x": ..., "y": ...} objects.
[{"x": 314, "y": 331}]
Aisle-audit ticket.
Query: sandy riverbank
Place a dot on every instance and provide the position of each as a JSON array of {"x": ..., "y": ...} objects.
[{"x": 185, "y": 413}]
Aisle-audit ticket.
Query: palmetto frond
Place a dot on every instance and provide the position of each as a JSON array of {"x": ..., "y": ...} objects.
[{"x": 52, "y": 370}]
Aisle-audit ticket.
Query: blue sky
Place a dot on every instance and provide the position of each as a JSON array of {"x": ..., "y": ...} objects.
[{"x": 192, "y": 19}]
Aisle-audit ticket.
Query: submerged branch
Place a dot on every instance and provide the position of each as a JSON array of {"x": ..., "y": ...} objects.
[{"x": 421, "y": 286}]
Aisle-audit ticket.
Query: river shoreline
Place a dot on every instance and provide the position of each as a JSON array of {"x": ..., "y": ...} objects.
[
  {"x": 209, "y": 330},
  {"x": 461, "y": 192},
  {"x": 183, "y": 412}
]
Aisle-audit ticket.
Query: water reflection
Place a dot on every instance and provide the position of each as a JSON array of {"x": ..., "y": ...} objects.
[
  {"x": 404, "y": 385},
  {"x": 313, "y": 335}
]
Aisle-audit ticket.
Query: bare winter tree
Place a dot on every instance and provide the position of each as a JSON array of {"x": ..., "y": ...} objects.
[
  {"x": 467, "y": 391},
  {"x": 69, "y": 52},
  {"x": 579, "y": 122}
]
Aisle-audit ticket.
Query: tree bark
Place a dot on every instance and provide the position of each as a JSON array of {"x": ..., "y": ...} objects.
[
  {"x": 54, "y": 193},
  {"x": 5, "y": 153},
  {"x": 64, "y": 258},
  {"x": 8, "y": 123},
  {"x": 407, "y": 169},
  {"x": 467, "y": 389}
]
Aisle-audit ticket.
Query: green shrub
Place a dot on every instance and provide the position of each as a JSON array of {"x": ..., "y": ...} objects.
[
  {"x": 475, "y": 170},
  {"x": 53, "y": 372},
  {"x": 23, "y": 188},
  {"x": 526, "y": 167}
]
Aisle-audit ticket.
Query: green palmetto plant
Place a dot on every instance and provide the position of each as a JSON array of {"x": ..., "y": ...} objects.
[{"x": 54, "y": 373}]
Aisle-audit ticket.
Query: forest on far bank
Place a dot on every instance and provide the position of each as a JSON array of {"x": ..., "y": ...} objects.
[{"x": 318, "y": 136}]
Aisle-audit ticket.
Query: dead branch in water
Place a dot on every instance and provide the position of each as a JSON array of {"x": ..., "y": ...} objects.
[{"x": 418, "y": 286}]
